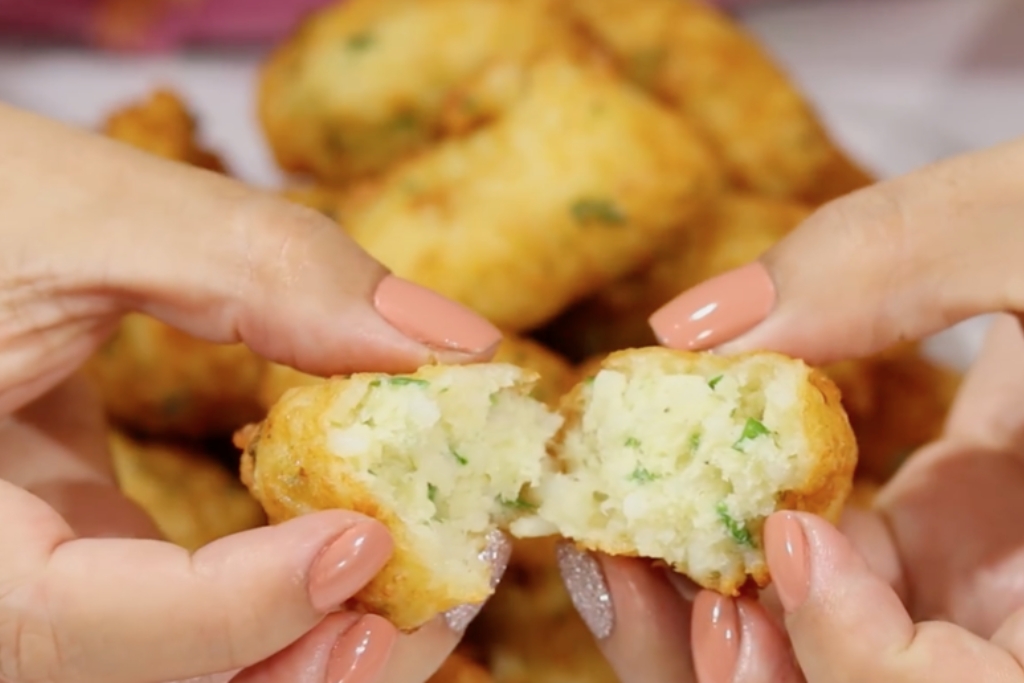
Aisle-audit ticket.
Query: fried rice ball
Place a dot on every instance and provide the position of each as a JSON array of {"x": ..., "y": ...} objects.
[
  {"x": 680, "y": 457},
  {"x": 192, "y": 500},
  {"x": 163, "y": 125},
  {"x": 710, "y": 69},
  {"x": 158, "y": 381},
  {"x": 441, "y": 457},
  {"x": 365, "y": 83},
  {"x": 458, "y": 668},
  {"x": 735, "y": 230},
  {"x": 580, "y": 182},
  {"x": 556, "y": 375}
]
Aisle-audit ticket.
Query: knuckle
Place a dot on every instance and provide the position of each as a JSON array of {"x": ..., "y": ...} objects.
[{"x": 29, "y": 646}]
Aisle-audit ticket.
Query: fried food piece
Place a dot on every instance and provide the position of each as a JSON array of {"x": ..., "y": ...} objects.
[
  {"x": 580, "y": 182},
  {"x": 365, "y": 83},
  {"x": 529, "y": 631},
  {"x": 158, "y": 381},
  {"x": 734, "y": 231},
  {"x": 191, "y": 499},
  {"x": 162, "y": 125},
  {"x": 912, "y": 397},
  {"x": 696, "y": 58},
  {"x": 681, "y": 457},
  {"x": 440, "y": 457},
  {"x": 459, "y": 668},
  {"x": 556, "y": 376}
]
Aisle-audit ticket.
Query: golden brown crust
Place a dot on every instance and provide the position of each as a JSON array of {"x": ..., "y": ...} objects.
[
  {"x": 823, "y": 419},
  {"x": 191, "y": 499},
  {"x": 162, "y": 125},
  {"x": 158, "y": 381}
]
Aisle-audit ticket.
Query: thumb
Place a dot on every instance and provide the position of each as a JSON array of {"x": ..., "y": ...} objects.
[
  {"x": 896, "y": 261},
  {"x": 118, "y": 230}
]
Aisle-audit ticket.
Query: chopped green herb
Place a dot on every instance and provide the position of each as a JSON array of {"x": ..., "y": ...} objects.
[
  {"x": 642, "y": 475},
  {"x": 632, "y": 442},
  {"x": 360, "y": 42},
  {"x": 408, "y": 381},
  {"x": 375, "y": 383},
  {"x": 493, "y": 398},
  {"x": 432, "y": 493},
  {"x": 404, "y": 121},
  {"x": 713, "y": 382},
  {"x": 587, "y": 211},
  {"x": 517, "y": 504},
  {"x": 751, "y": 430},
  {"x": 695, "y": 441},
  {"x": 737, "y": 530},
  {"x": 455, "y": 454},
  {"x": 589, "y": 380}
]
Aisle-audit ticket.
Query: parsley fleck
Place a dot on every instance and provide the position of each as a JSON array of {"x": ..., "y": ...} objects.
[
  {"x": 458, "y": 458},
  {"x": 517, "y": 504},
  {"x": 589, "y": 380},
  {"x": 360, "y": 42},
  {"x": 432, "y": 493},
  {"x": 408, "y": 381},
  {"x": 713, "y": 382},
  {"x": 642, "y": 475},
  {"x": 738, "y": 531},
  {"x": 587, "y": 211},
  {"x": 695, "y": 441},
  {"x": 632, "y": 442},
  {"x": 751, "y": 430}
]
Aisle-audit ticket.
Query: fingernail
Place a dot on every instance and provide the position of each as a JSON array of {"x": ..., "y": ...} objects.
[
  {"x": 432, "y": 319},
  {"x": 346, "y": 565},
  {"x": 716, "y": 311},
  {"x": 588, "y": 589},
  {"x": 360, "y": 653},
  {"x": 788, "y": 559},
  {"x": 496, "y": 554},
  {"x": 716, "y": 638}
]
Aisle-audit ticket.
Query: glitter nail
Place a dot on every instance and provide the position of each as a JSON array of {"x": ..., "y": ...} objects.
[
  {"x": 589, "y": 591},
  {"x": 496, "y": 554}
]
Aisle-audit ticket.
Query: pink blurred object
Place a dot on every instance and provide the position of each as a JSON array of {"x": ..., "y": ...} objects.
[{"x": 174, "y": 22}]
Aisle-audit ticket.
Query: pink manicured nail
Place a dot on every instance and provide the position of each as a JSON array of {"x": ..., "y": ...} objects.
[
  {"x": 348, "y": 564},
  {"x": 360, "y": 653},
  {"x": 432, "y": 319},
  {"x": 788, "y": 558},
  {"x": 716, "y": 637},
  {"x": 716, "y": 311}
]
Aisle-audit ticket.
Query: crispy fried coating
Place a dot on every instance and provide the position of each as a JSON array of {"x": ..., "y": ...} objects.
[
  {"x": 557, "y": 376},
  {"x": 191, "y": 499},
  {"x": 162, "y": 125},
  {"x": 529, "y": 631},
  {"x": 681, "y": 457},
  {"x": 581, "y": 181},
  {"x": 440, "y": 457},
  {"x": 459, "y": 668},
  {"x": 735, "y": 230},
  {"x": 158, "y": 381},
  {"x": 365, "y": 83},
  {"x": 711, "y": 70}
]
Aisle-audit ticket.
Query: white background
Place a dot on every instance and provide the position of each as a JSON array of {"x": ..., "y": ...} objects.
[{"x": 900, "y": 82}]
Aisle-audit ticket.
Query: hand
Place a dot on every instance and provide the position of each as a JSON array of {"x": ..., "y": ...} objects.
[
  {"x": 91, "y": 230},
  {"x": 926, "y": 586}
]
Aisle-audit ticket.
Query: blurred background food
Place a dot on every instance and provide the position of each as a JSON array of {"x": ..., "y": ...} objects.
[{"x": 564, "y": 167}]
